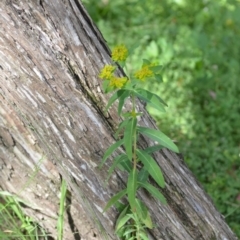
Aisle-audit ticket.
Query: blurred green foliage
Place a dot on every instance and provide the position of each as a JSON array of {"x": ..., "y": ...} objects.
[{"x": 197, "y": 42}]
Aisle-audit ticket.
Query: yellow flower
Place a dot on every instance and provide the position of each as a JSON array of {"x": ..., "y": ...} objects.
[
  {"x": 118, "y": 82},
  {"x": 133, "y": 114},
  {"x": 143, "y": 73},
  {"x": 119, "y": 53},
  {"x": 107, "y": 72}
]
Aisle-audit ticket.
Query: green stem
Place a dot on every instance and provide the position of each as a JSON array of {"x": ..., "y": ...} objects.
[{"x": 135, "y": 134}]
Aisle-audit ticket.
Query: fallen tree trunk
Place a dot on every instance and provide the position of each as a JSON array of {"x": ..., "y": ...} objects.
[{"x": 52, "y": 124}]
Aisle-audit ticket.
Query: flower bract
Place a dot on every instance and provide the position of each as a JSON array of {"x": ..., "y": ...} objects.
[
  {"x": 119, "y": 53},
  {"x": 118, "y": 82},
  {"x": 144, "y": 73},
  {"x": 107, "y": 72}
]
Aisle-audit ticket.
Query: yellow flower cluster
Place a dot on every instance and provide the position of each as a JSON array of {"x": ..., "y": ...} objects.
[
  {"x": 143, "y": 73},
  {"x": 118, "y": 82},
  {"x": 119, "y": 53},
  {"x": 107, "y": 72},
  {"x": 133, "y": 113}
]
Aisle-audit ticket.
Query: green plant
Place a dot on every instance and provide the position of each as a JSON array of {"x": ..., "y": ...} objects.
[
  {"x": 14, "y": 224},
  {"x": 62, "y": 209},
  {"x": 196, "y": 44},
  {"x": 134, "y": 217}
]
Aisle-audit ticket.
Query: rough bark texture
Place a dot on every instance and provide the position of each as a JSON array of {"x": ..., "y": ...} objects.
[{"x": 52, "y": 124}]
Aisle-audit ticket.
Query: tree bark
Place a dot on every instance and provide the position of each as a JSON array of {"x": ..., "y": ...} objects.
[{"x": 52, "y": 124}]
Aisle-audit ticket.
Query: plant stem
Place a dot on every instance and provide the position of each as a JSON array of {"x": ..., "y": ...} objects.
[{"x": 135, "y": 133}]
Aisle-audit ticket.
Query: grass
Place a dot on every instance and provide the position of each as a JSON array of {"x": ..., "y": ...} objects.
[
  {"x": 62, "y": 209},
  {"x": 15, "y": 224}
]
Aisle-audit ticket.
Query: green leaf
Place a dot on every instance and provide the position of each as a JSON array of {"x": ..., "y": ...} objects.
[
  {"x": 110, "y": 150},
  {"x": 123, "y": 221},
  {"x": 122, "y": 99},
  {"x": 152, "y": 149},
  {"x": 147, "y": 94},
  {"x": 116, "y": 162},
  {"x": 129, "y": 135},
  {"x": 132, "y": 188},
  {"x": 143, "y": 213},
  {"x": 154, "y": 191},
  {"x": 141, "y": 209},
  {"x": 160, "y": 137},
  {"x": 119, "y": 206},
  {"x": 133, "y": 48},
  {"x": 146, "y": 62},
  {"x": 105, "y": 86},
  {"x": 132, "y": 238},
  {"x": 114, "y": 199},
  {"x": 114, "y": 97},
  {"x": 127, "y": 115},
  {"x": 156, "y": 69},
  {"x": 151, "y": 99},
  {"x": 158, "y": 78},
  {"x": 143, "y": 175},
  {"x": 129, "y": 86},
  {"x": 121, "y": 215},
  {"x": 125, "y": 165},
  {"x": 123, "y": 212},
  {"x": 120, "y": 127},
  {"x": 143, "y": 236},
  {"x": 128, "y": 232},
  {"x": 152, "y": 167}
]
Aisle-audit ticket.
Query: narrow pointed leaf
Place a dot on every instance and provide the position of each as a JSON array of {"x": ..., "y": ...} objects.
[
  {"x": 152, "y": 167},
  {"x": 132, "y": 188},
  {"x": 120, "y": 127},
  {"x": 132, "y": 238},
  {"x": 122, "y": 222},
  {"x": 114, "y": 199},
  {"x": 149, "y": 96},
  {"x": 115, "y": 163},
  {"x": 156, "y": 69},
  {"x": 110, "y": 150},
  {"x": 125, "y": 165},
  {"x": 128, "y": 232},
  {"x": 160, "y": 137},
  {"x": 154, "y": 191},
  {"x": 148, "y": 221},
  {"x": 129, "y": 134},
  {"x": 143, "y": 236},
  {"x": 146, "y": 62},
  {"x": 122, "y": 99},
  {"x": 114, "y": 97},
  {"x": 152, "y": 149},
  {"x": 133, "y": 48},
  {"x": 123, "y": 213},
  {"x": 119, "y": 206},
  {"x": 105, "y": 86},
  {"x": 151, "y": 99},
  {"x": 141, "y": 209},
  {"x": 158, "y": 78},
  {"x": 144, "y": 214},
  {"x": 143, "y": 175}
]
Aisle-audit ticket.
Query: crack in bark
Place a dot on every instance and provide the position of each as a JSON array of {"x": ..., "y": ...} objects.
[
  {"x": 41, "y": 4},
  {"x": 71, "y": 222},
  {"x": 91, "y": 25},
  {"x": 89, "y": 95}
]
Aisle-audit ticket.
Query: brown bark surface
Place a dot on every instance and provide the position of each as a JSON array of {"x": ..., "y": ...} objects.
[{"x": 52, "y": 124}]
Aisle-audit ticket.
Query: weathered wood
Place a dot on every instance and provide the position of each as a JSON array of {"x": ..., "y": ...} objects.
[{"x": 52, "y": 121}]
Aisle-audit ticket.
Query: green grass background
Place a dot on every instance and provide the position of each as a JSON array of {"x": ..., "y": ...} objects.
[{"x": 198, "y": 43}]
